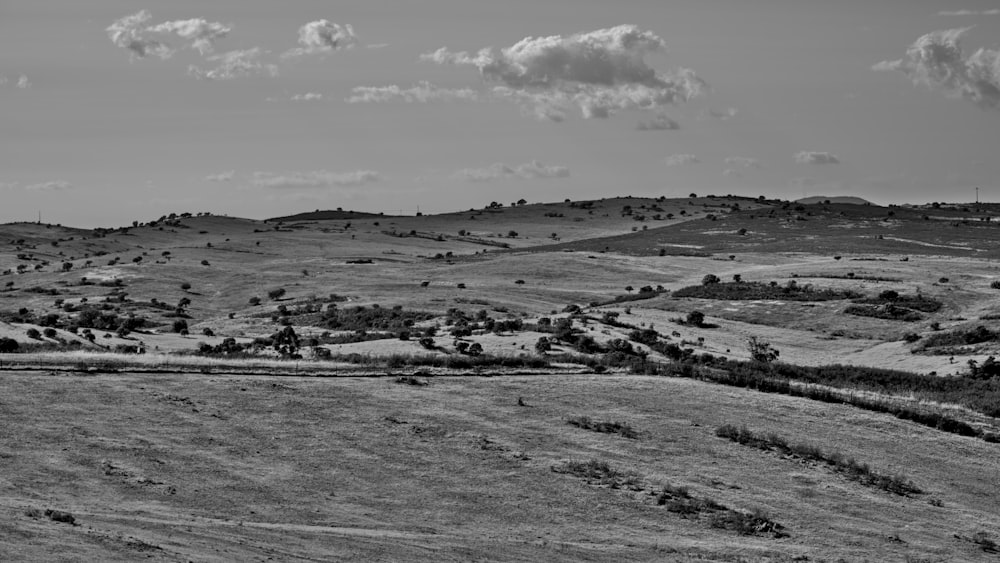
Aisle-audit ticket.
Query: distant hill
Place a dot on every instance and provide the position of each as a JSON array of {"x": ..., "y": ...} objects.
[
  {"x": 329, "y": 215},
  {"x": 839, "y": 199}
]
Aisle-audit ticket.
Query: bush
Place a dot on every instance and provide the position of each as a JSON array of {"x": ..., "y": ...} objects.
[
  {"x": 276, "y": 294},
  {"x": 34, "y": 334},
  {"x": 49, "y": 332},
  {"x": 625, "y": 430},
  {"x": 255, "y": 300},
  {"x": 8, "y": 345},
  {"x": 695, "y": 318},
  {"x": 995, "y": 284},
  {"x": 185, "y": 286},
  {"x": 180, "y": 325}
]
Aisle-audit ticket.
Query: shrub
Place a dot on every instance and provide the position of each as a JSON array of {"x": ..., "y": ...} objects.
[
  {"x": 761, "y": 351},
  {"x": 34, "y": 334},
  {"x": 710, "y": 279},
  {"x": 255, "y": 300},
  {"x": 49, "y": 332},
  {"x": 180, "y": 325},
  {"x": 185, "y": 286},
  {"x": 995, "y": 284},
  {"x": 276, "y": 294},
  {"x": 695, "y": 318},
  {"x": 624, "y": 429},
  {"x": 8, "y": 345}
]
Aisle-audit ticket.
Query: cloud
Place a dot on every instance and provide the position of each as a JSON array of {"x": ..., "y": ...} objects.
[
  {"x": 8, "y": 185},
  {"x": 57, "y": 185},
  {"x": 235, "y": 64},
  {"x": 307, "y": 97},
  {"x": 681, "y": 159},
  {"x": 661, "y": 122},
  {"x": 733, "y": 173},
  {"x": 202, "y": 34},
  {"x": 422, "y": 92},
  {"x": 722, "y": 114},
  {"x": 23, "y": 82},
  {"x": 744, "y": 161},
  {"x": 937, "y": 60},
  {"x": 323, "y": 36},
  {"x": 812, "y": 157},
  {"x": 993, "y": 12},
  {"x": 130, "y": 33},
  {"x": 527, "y": 171},
  {"x": 600, "y": 72},
  {"x": 221, "y": 176},
  {"x": 314, "y": 179}
]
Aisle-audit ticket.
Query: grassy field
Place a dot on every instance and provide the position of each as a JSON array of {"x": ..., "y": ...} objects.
[
  {"x": 488, "y": 384},
  {"x": 180, "y": 467}
]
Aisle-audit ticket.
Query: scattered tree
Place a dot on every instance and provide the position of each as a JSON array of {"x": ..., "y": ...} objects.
[{"x": 761, "y": 350}]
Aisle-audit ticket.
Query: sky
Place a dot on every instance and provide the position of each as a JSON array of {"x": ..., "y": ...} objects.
[{"x": 119, "y": 110}]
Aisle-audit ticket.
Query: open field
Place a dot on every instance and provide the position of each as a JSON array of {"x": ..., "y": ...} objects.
[
  {"x": 215, "y": 468},
  {"x": 174, "y": 384}
]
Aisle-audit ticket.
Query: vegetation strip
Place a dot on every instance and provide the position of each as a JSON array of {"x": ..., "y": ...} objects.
[
  {"x": 606, "y": 427},
  {"x": 833, "y": 383},
  {"x": 847, "y": 466},
  {"x": 677, "y": 500}
]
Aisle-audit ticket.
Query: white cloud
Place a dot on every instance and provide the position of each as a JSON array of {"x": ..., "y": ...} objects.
[
  {"x": 662, "y": 122},
  {"x": 993, "y": 12},
  {"x": 130, "y": 33},
  {"x": 323, "y": 36},
  {"x": 527, "y": 171},
  {"x": 221, "y": 176},
  {"x": 202, "y": 34},
  {"x": 813, "y": 157},
  {"x": 937, "y": 60},
  {"x": 8, "y": 185},
  {"x": 307, "y": 97},
  {"x": 422, "y": 92},
  {"x": 235, "y": 64},
  {"x": 601, "y": 72},
  {"x": 314, "y": 179},
  {"x": 23, "y": 82},
  {"x": 744, "y": 161},
  {"x": 49, "y": 186},
  {"x": 681, "y": 159}
]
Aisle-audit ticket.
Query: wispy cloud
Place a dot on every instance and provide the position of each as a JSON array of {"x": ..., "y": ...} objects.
[
  {"x": 321, "y": 37},
  {"x": 600, "y": 72},
  {"x": 937, "y": 60},
  {"x": 527, "y": 171},
  {"x": 813, "y": 157},
  {"x": 235, "y": 64},
  {"x": 226, "y": 176},
  {"x": 994, "y": 12},
  {"x": 681, "y": 159},
  {"x": 744, "y": 161},
  {"x": 422, "y": 92},
  {"x": 307, "y": 97},
  {"x": 200, "y": 33},
  {"x": 661, "y": 122},
  {"x": 723, "y": 114},
  {"x": 313, "y": 179},
  {"x": 56, "y": 185},
  {"x": 23, "y": 82}
]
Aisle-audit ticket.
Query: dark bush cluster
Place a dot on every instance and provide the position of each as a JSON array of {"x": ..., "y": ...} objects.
[
  {"x": 735, "y": 291},
  {"x": 624, "y": 429}
]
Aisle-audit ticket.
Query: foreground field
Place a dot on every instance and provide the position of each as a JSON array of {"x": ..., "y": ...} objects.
[{"x": 213, "y": 468}]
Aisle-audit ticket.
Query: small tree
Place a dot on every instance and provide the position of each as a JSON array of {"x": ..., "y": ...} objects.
[
  {"x": 276, "y": 294},
  {"x": 695, "y": 318},
  {"x": 185, "y": 286},
  {"x": 475, "y": 349},
  {"x": 761, "y": 350},
  {"x": 8, "y": 345},
  {"x": 180, "y": 325},
  {"x": 543, "y": 345},
  {"x": 710, "y": 279},
  {"x": 34, "y": 334}
]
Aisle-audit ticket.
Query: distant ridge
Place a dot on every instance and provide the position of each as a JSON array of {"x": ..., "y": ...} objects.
[
  {"x": 839, "y": 199},
  {"x": 324, "y": 216}
]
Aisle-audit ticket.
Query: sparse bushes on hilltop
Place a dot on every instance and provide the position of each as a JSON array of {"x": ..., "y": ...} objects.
[{"x": 743, "y": 290}]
